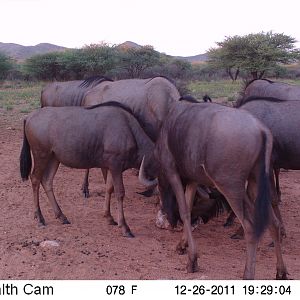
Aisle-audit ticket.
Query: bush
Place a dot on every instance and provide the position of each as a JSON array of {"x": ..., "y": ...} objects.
[{"x": 6, "y": 64}]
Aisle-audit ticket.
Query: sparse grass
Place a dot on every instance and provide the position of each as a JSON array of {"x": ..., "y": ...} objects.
[
  {"x": 216, "y": 89},
  {"x": 291, "y": 81},
  {"x": 20, "y": 96}
]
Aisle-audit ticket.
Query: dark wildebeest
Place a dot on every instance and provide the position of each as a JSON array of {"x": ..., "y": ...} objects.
[
  {"x": 223, "y": 147},
  {"x": 283, "y": 119},
  {"x": 82, "y": 138},
  {"x": 262, "y": 88},
  {"x": 265, "y": 88},
  {"x": 71, "y": 93},
  {"x": 68, "y": 93},
  {"x": 268, "y": 88},
  {"x": 149, "y": 99}
]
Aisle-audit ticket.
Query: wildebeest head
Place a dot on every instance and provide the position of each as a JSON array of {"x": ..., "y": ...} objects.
[{"x": 208, "y": 203}]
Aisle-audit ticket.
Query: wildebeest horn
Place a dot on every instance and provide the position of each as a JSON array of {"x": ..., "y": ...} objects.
[{"x": 142, "y": 177}]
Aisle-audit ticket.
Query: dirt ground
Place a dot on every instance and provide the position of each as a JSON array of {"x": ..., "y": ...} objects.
[{"x": 88, "y": 248}]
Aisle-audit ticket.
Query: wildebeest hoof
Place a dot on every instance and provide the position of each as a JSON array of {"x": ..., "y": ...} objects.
[
  {"x": 192, "y": 266},
  {"x": 281, "y": 275},
  {"x": 128, "y": 234},
  {"x": 228, "y": 223},
  {"x": 180, "y": 249},
  {"x": 40, "y": 219},
  {"x": 66, "y": 221},
  {"x": 63, "y": 219},
  {"x": 149, "y": 192},
  {"x": 110, "y": 220},
  {"x": 237, "y": 236},
  {"x": 86, "y": 194}
]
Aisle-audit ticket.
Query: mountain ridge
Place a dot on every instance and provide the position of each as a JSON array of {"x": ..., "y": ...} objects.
[{"x": 20, "y": 52}]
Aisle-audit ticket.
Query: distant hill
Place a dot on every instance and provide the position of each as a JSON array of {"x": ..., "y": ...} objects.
[
  {"x": 129, "y": 44},
  {"x": 194, "y": 59},
  {"x": 20, "y": 52}
]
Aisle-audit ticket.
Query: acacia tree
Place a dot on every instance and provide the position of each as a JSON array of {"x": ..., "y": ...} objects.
[
  {"x": 44, "y": 66},
  {"x": 253, "y": 53},
  {"x": 136, "y": 60}
]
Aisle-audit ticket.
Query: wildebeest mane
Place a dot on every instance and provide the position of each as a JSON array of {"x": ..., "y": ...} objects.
[
  {"x": 112, "y": 104},
  {"x": 94, "y": 80},
  {"x": 206, "y": 98},
  {"x": 254, "y": 98}
]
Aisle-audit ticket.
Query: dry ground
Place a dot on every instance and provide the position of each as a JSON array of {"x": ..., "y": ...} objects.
[{"x": 91, "y": 249}]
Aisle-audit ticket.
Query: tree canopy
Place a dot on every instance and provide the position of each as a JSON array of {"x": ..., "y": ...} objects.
[
  {"x": 6, "y": 65},
  {"x": 253, "y": 53},
  {"x": 136, "y": 60}
]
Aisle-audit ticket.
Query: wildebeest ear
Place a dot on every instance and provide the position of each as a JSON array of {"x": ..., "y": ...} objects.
[{"x": 206, "y": 98}]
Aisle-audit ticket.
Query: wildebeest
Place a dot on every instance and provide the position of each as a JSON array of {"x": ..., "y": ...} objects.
[
  {"x": 223, "y": 147},
  {"x": 71, "y": 93},
  {"x": 268, "y": 88},
  {"x": 283, "y": 119},
  {"x": 68, "y": 93},
  {"x": 149, "y": 99},
  {"x": 82, "y": 138}
]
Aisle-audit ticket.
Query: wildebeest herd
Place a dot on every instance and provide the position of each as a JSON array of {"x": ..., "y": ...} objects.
[{"x": 178, "y": 144}]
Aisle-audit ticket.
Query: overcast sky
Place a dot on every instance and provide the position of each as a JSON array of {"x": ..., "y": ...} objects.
[{"x": 175, "y": 27}]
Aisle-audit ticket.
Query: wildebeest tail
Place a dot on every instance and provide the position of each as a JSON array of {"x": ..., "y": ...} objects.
[
  {"x": 25, "y": 158},
  {"x": 263, "y": 200}
]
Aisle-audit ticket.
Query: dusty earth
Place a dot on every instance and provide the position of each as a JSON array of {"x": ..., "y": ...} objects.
[{"x": 88, "y": 248}]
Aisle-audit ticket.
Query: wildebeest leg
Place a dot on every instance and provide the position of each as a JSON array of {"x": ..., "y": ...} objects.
[
  {"x": 279, "y": 217},
  {"x": 109, "y": 189},
  {"x": 47, "y": 183},
  {"x": 276, "y": 174},
  {"x": 230, "y": 219},
  {"x": 275, "y": 230},
  {"x": 85, "y": 184},
  {"x": 275, "y": 206},
  {"x": 190, "y": 192},
  {"x": 35, "y": 181},
  {"x": 243, "y": 207},
  {"x": 40, "y": 164},
  {"x": 120, "y": 193},
  {"x": 185, "y": 215}
]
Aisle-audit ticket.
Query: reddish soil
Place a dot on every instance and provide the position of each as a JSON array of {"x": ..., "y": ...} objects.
[{"x": 91, "y": 249}]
